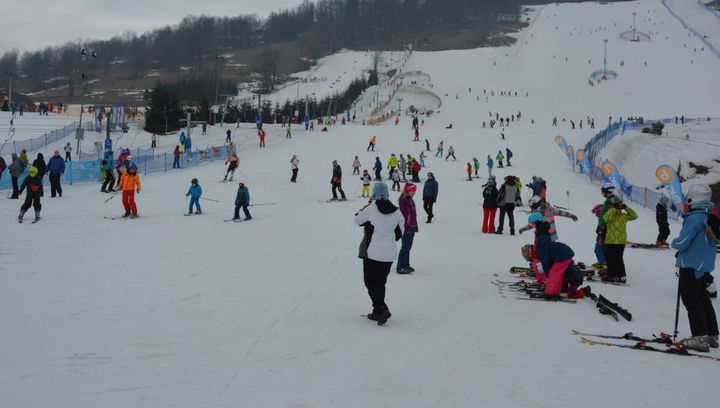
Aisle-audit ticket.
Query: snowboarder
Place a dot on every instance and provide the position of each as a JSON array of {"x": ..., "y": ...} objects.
[
  {"x": 407, "y": 207},
  {"x": 378, "y": 168},
  {"x": 233, "y": 163},
  {"x": 430, "y": 194},
  {"x": 490, "y": 165},
  {"x": 499, "y": 157},
  {"x": 242, "y": 200},
  {"x": 490, "y": 196},
  {"x": 356, "y": 166},
  {"x": 507, "y": 196},
  {"x": 365, "y": 184},
  {"x": 383, "y": 225},
  {"x": 508, "y": 156},
  {"x": 451, "y": 152},
  {"x": 68, "y": 150},
  {"x": 336, "y": 182},
  {"x": 129, "y": 184},
  {"x": 371, "y": 145},
  {"x": 194, "y": 192},
  {"x": 55, "y": 168},
  {"x": 661, "y": 217},
  {"x": 294, "y": 163},
  {"x": 34, "y": 186},
  {"x": 696, "y": 254},
  {"x": 616, "y": 239}
]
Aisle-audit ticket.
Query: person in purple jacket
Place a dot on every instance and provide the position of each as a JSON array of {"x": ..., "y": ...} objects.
[{"x": 407, "y": 207}]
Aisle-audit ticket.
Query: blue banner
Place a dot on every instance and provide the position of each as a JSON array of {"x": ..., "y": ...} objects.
[{"x": 670, "y": 181}]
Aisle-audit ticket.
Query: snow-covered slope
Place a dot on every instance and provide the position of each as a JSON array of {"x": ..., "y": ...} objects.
[{"x": 177, "y": 311}]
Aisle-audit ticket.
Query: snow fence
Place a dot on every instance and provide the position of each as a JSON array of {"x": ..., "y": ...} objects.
[{"x": 37, "y": 143}]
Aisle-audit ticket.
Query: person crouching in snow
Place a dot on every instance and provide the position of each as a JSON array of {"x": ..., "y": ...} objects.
[
  {"x": 129, "y": 183},
  {"x": 553, "y": 263},
  {"x": 540, "y": 206},
  {"x": 34, "y": 186},
  {"x": 194, "y": 192}
]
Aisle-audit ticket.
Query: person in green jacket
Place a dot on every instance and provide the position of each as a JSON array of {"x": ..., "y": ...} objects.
[
  {"x": 392, "y": 164},
  {"x": 499, "y": 158},
  {"x": 616, "y": 219},
  {"x": 242, "y": 200}
]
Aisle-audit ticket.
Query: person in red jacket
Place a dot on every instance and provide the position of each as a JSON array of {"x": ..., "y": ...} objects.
[
  {"x": 469, "y": 171},
  {"x": 261, "y": 135}
]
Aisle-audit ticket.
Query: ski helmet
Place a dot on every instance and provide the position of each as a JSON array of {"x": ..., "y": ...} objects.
[
  {"x": 698, "y": 193},
  {"x": 534, "y": 202},
  {"x": 194, "y": 181},
  {"x": 33, "y": 171},
  {"x": 596, "y": 209},
  {"x": 535, "y": 218},
  {"x": 528, "y": 252},
  {"x": 607, "y": 187}
]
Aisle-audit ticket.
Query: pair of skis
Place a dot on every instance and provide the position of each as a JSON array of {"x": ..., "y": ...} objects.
[{"x": 642, "y": 344}]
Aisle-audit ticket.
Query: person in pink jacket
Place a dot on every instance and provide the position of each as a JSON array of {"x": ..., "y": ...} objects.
[{"x": 407, "y": 208}]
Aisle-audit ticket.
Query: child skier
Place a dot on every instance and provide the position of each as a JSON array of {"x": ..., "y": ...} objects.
[
  {"x": 490, "y": 204},
  {"x": 422, "y": 159},
  {"x": 356, "y": 166},
  {"x": 194, "y": 192},
  {"x": 548, "y": 212},
  {"x": 500, "y": 159},
  {"x": 490, "y": 166},
  {"x": 365, "y": 184},
  {"x": 599, "y": 253},
  {"x": 469, "y": 171},
  {"x": 395, "y": 176},
  {"x": 233, "y": 162},
  {"x": 440, "y": 149},
  {"x": 129, "y": 183},
  {"x": 34, "y": 186},
  {"x": 476, "y": 165},
  {"x": 661, "y": 217},
  {"x": 371, "y": 145},
  {"x": 242, "y": 200},
  {"x": 451, "y": 152},
  {"x": 616, "y": 239}
]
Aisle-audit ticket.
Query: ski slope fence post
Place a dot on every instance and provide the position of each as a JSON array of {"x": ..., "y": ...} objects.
[{"x": 165, "y": 162}]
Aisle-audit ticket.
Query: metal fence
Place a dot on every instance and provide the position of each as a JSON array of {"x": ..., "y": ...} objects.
[
  {"x": 37, "y": 143},
  {"x": 696, "y": 33}
]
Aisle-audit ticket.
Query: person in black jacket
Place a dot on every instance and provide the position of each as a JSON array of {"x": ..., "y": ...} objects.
[
  {"x": 39, "y": 164},
  {"x": 508, "y": 195},
  {"x": 430, "y": 193},
  {"x": 34, "y": 186},
  {"x": 336, "y": 182},
  {"x": 661, "y": 217},
  {"x": 490, "y": 197}
]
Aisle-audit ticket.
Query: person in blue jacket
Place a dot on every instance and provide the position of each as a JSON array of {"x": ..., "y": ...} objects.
[
  {"x": 194, "y": 192},
  {"x": 107, "y": 186},
  {"x": 55, "y": 169},
  {"x": 378, "y": 168},
  {"x": 242, "y": 200},
  {"x": 430, "y": 194},
  {"x": 188, "y": 149},
  {"x": 697, "y": 246},
  {"x": 490, "y": 165}
]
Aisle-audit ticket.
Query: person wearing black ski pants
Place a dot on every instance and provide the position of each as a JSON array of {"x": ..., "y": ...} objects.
[
  {"x": 694, "y": 295},
  {"x": 428, "y": 207},
  {"x": 55, "y": 186},
  {"x": 375, "y": 274},
  {"x": 508, "y": 209},
  {"x": 614, "y": 260}
]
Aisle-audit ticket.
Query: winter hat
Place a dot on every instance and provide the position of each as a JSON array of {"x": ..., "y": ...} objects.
[
  {"x": 664, "y": 201},
  {"x": 380, "y": 191},
  {"x": 194, "y": 181},
  {"x": 33, "y": 171},
  {"x": 410, "y": 188},
  {"x": 334, "y": 162},
  {"x": 430, "y": 174},
  {"x": 697, "y": 194},
  {"x": 535, "y": 218},
  {"x": 528, "y": 252},
  {"x": 534, "y": 202}
]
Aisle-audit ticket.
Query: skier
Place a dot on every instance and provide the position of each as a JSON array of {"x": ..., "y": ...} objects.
[
  {"x": 68, "y": 150},
  {"x": 288, "y": 132},
  {"x": 34, "y": 186},
  {"x": 599, "y": 252},
  {"x": 476, "y": 166},
  {"x": 500, "y": 159},
  {"x": 696, "y": 254},
  {"x": 365, "y": 184},
  {"x": 336, "y": 182},
  {"x": 378, "y": 168},
  {"x": 416, "y": 171},
  {"x": 422, "y": 158},
  {"x": 294, "y": 163},
  {"x": 451, "y": 152},
  {"x": 188, "y": 149},
  {"x": 616, "y": 239},
  {"x": 356, "y": 166},
  {"x": 490, "y": 164},
  {"x": 129, "y": 184},
  {"x": 607, "y": 190},
  {"x": 371, "y": 145},
  {"x": 55, "y": 169},
  {"x": 395, "y": 177},
  {"x": 194, "y": 192},
  {"x": 242, "y": 200},
  {"x": 427, "y": 145},
  {"x": 261, "y": 135},
  {"x": 228, "y": 136},
  {"x": 507, "y": 196},
  {"x": 176, "y": 158},
  {"x": 490, "y": 196},
  {"x": 233, "y": 163},
  {"x": 469, "y": 171},
  {"x": 661, "y": 217},
  {"x": 548, "y": 212},
  {"x": 403, "y": 167},
  {"x": 392, "y": 164},
  {"x": 109, "y": 165},
  {"x": 430, "y": 194},
  {"x": 417, "y": 135},
  {"x": 407, "y": 207},
  {"x": 508, "y": 155},
  {"x": 182, "y": 140},
  {"x": 440, "y": 149},
  {"x": 40, "y": 165},
  {"x": 383, "y": 225},
  {"x": 153, "y": 141}
]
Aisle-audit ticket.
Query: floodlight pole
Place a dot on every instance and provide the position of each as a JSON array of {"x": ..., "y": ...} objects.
[{"x": 605, "y": 57}]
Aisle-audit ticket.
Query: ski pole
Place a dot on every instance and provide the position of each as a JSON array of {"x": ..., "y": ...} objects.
[
  {"x": 259, "y": 204},
  {"x": 111, "y": 197},
  {"x": 210, "y": 199},
  {"x": 677, "y": 306},
  {"x": 568, "y": 198}
]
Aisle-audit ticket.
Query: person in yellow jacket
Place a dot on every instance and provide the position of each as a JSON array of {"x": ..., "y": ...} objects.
[
  {"x": 616, "y": 219},
  {"x": 392, "y": 164},
  {"x": 129, "y": 184}
]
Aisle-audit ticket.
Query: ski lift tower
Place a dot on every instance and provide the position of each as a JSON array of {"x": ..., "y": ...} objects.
[{"x": 605, "y": 41}]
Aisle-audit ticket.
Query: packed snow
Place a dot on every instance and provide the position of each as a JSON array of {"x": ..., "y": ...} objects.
[{"x": 177, "y": 311}]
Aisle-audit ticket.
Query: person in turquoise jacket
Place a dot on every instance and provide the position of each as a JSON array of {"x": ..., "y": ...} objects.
[
  {"x": 242, "y": 200},
  {"x": 194, "y": 192},
  {"x": 697, "y": 247}
]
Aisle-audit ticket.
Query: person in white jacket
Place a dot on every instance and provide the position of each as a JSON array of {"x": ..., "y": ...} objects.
[
  {"x": 383, "y": 225},
  {"x": 294, "y": 166}
]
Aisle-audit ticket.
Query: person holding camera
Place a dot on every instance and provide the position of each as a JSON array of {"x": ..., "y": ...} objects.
[{"x": 616, "y": 219}]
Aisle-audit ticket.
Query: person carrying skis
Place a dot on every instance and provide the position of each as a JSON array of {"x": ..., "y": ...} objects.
[
  {"x": 194, "y": 192},
  {"x": 440, "y": 149},
  {"x": 294, "y": 166},
  {"x": 430, "y": 194},
  {"x": 403, "y": 166},
  {"x": 490, "y": 204},
  {"x": 34, "y": 186},
  {"x": 365, "y": 184},
  {"x": 476, "y": 166},
  {"x": 242, "y": 200},
  {"x": 336, "y": 182},
  {"x": 599, "y": 252},
  {"x": 261, "y": 135},
  {"x": 548, "y": 212},
  {"x": 696, "y": 245},
  {"x": 371, "y": 145},
  {"x": 55, "y": 169},
  {"x": 508, "y": 156},
  {"x": 383, "y": 225},
  {"x": 407, "y": 207},
  {"x": 129, "y": 184},
  {"x": 356, "y": 166},
  {"x": 469, "y": 171},
  {"x": 109, "y": 165},
  {"x": 392, "y": 164},
  {"x": 499, "y": 157},
  {"x": 233, "y": 163},
  {"x": 508, "y": 195},
  {"x": 616, "y": 219},
  {"x": 378, "y": 168},
  {"x": 451, "y": 152},
  {"x": 661, "y": 217}
]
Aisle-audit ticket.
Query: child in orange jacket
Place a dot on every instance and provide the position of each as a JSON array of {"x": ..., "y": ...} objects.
[
  {"x": 129, "y": 183},
  {"x": 469, "y": 171}
]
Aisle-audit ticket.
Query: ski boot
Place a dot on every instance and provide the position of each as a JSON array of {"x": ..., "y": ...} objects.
[
  {"x": 697, "y": 343},
  {"x": 373, "y": 316},
  {"x": 134, "y": 215},
  {"x": 20, "y": 217},
  {"x": 713, "y": 341},
  {"x": 383, "y": 317},
  {"x": 37, "y": 216},
  {"x": 198, "y": 212},
  {"x": 127, "y": 214}
]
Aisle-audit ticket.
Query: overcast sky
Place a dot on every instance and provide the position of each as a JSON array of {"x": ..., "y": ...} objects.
[{"x": 30, "y": 25}]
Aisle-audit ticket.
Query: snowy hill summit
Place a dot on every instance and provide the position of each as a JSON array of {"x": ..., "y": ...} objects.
[{"x": 176, "y": 311}]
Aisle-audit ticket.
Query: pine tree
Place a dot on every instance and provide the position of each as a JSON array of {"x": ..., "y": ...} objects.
[{"x": 164, "y": 110}]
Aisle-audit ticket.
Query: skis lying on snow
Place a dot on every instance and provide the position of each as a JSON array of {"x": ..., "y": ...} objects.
[
  {"x": 663, "y": 338},
  {"x": 122, "y": 218},
  {"x": 587, "y": 272},
  {"x": 339, "y": 200},
  {"x": 675, "y": 349},
  {"x": 644, "y": 246}
]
